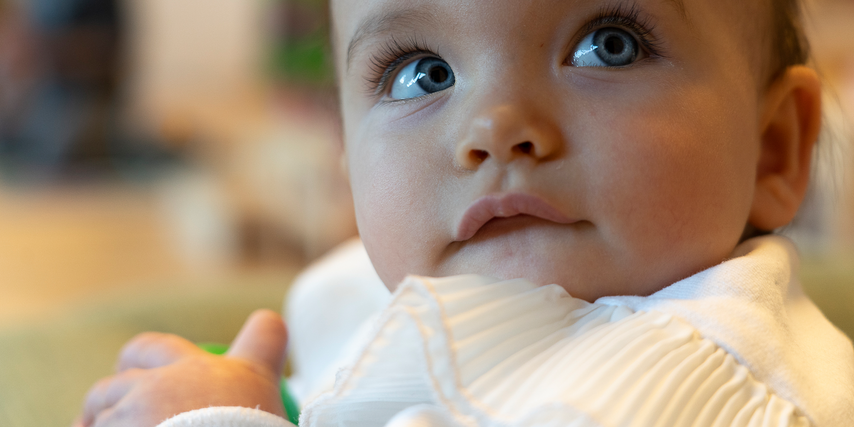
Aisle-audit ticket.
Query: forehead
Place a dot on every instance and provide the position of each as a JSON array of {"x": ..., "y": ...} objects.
[{"x": 356, "y": 22}]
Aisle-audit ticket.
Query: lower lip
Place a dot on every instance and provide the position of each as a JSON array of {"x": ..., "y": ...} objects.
[
  {"x": 504, "y": 225},
  {"x": 522, "y": 207}
]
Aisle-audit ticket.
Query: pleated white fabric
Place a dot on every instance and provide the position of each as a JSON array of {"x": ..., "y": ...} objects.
[
  {"x": 328, "y": 307},
  {"x": 736, "y": 345},
  {"x": 473, "y": 351},
  {"x": 753, "y": 307}
]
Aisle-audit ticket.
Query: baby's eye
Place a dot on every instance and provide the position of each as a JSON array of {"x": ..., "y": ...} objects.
[
  {"x": 606, "y": 47},
  {"x": 422, "y": 77}
]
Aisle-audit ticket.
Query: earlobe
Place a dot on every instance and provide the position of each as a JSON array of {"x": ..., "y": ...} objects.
[{"x": 790, "y": 125}]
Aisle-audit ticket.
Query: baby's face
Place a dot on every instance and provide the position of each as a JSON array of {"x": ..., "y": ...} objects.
[{"x": 609, "y": 147}]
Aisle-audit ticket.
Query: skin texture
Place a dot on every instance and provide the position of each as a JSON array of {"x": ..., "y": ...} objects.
[
  {"x": 661, "y": 165},
  {"x": 661, "y": 162}
]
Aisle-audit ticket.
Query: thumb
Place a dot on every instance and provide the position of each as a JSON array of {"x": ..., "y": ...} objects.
[{"x": 262, "y": 340}]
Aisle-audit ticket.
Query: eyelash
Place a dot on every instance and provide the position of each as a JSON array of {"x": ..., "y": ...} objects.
[
  {"x": 394, "y": 52},
  {"x": 390, "y": 56},
  {"x": 627, "y": 16}
]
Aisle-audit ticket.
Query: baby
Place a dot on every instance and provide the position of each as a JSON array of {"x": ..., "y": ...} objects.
[{"x": 622, "y": 150}]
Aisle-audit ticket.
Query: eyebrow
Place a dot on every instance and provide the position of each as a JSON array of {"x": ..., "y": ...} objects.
[
  {"x": 387, "y": 22},
  {"x": 679, "y": 5},
  {"x": 391, "y": 19}
]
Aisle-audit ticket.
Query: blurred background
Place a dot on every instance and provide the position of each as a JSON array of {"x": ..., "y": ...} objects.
[
  {"x": 146, "y": 140},
  {"x": 170, "y": 165}
]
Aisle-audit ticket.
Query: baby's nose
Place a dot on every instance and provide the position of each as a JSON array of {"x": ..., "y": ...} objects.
[{"x": 505, "y": 133}]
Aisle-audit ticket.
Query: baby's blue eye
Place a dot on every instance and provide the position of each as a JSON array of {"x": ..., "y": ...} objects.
[
  {"x": 606, "y": 47},
  {"x": 422, "y": 77}
]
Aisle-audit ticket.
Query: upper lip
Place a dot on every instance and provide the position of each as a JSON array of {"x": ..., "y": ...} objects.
[{"x": 504, "y": 206}]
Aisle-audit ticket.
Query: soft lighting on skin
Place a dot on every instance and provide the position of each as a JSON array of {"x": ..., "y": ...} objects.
[{"x": 656, "y": 158}]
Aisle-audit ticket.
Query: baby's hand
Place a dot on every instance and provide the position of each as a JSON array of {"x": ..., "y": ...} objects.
[{"x": 162, "y": 375}]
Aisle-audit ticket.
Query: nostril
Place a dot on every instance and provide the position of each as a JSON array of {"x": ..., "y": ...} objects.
[
  {"x": 479, "y": 155},
  {"x": 525, "y": 147}
]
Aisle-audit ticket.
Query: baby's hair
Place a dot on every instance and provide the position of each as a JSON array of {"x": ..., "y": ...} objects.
[{"x": 789, "y": 43}]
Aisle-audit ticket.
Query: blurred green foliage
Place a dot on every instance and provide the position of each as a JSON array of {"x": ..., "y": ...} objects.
[{"x": 300, "y": 50}]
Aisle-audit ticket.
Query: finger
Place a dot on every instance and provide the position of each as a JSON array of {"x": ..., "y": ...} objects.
[
  {"x": 263, "y": 340},
  {"x": 153, "y": 350},
  {"x": 106, "y": 393}
]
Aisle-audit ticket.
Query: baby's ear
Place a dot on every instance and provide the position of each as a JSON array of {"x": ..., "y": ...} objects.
[{"x": 790, "y": 124}]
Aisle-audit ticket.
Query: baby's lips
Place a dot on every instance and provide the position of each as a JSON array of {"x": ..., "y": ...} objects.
[{"x": 504, "y": 206}]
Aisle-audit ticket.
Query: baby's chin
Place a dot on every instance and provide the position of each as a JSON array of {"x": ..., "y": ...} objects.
[
  {"x": 585, "y": 272},
  {"x": 544, "y": 255},
  {"x": 573, "y": 257}
]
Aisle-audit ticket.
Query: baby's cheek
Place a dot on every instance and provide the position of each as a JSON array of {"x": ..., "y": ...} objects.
[
  {"x": 396, "y": 209},
  {"x": 676, "y": 188}
]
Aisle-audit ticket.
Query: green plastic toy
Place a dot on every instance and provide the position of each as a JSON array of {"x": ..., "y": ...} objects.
[{"x": 291, "y": 407}]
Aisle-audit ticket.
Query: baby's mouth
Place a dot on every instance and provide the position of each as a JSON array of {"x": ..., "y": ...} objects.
[{"x": 488, "y": 208}]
